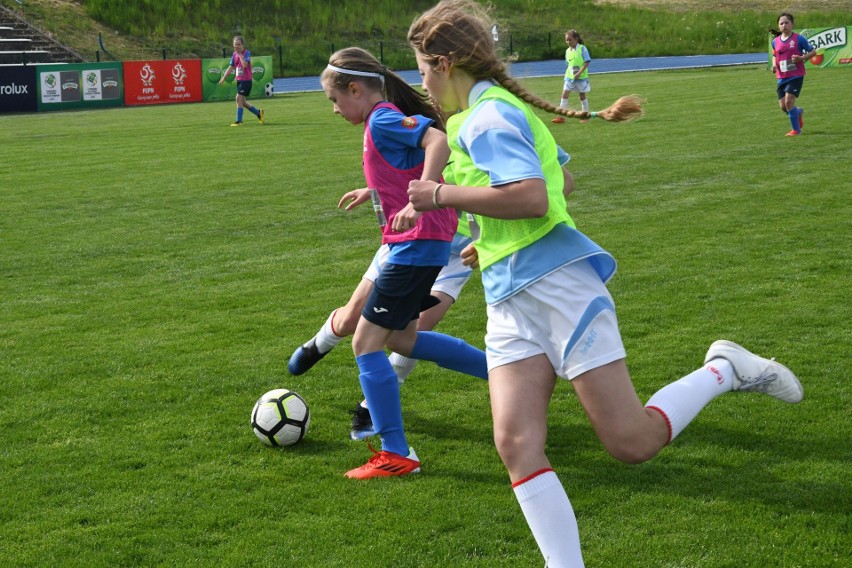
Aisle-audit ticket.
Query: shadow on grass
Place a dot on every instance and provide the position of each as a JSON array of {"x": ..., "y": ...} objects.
[{"x": 712, "y": 462}]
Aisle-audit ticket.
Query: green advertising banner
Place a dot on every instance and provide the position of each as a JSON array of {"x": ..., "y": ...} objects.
[
  {"x": 79, "y": 85},
  {"x": 212, "y": 69},
  {"x": 831, "y": 44}
]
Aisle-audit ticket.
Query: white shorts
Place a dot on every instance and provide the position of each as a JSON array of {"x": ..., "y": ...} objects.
[
  {"x": 568, "y": 315},
  {"x": 450, "y": 281},
  {"x": 577, "y": 86}
]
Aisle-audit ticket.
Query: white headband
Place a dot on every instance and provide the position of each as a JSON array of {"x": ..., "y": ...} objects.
[{"x": 353, "y": 72}]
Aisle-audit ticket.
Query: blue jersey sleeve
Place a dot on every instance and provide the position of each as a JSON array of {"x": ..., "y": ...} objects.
[
  {"x": 804, "y": 44},
  {"x": 247, "y": 56},
  {"x": 398, "y": 137},
  {"x": 499, "y": 140},
  {"x": 585, "y": 54}
]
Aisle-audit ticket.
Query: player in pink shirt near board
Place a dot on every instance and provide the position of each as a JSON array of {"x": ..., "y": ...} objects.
[
  {"x": 789, "y": 53},
  {"x": 241, "y": 65}
]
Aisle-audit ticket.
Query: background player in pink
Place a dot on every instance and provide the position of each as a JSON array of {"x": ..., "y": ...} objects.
[
  {"x": 789, "y": 53},
  {"x": 241, "y": 63}
]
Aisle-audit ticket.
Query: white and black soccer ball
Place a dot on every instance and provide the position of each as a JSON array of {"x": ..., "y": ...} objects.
[
  {"x": 269, "y": 89},
  {"x": 280, "y": 418}
]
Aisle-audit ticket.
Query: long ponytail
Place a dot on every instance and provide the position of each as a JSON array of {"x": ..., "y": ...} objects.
[
  {"x": 575, "y": 34},
  {"x": 369, "y": 71}
]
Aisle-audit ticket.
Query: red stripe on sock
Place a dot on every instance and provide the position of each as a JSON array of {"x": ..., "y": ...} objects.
[
  {"x": 666, "y": 418},
  {"x": 531, "y": 476},
  {"x": 331, "y": 324}
]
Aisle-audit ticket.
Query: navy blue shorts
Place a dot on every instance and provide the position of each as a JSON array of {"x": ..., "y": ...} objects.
[
  {"x": 399, "y": 294},
  {"x": 244, "y": 88},
  {"x": 792, "y": 86}
]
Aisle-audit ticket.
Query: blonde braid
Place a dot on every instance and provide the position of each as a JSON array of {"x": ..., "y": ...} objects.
[
  {"x": 460, "y": 31},
  {"x": 511, "y": 85}
]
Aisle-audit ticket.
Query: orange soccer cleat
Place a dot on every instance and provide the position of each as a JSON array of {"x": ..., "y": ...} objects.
[{"x": 386, "y": 464}]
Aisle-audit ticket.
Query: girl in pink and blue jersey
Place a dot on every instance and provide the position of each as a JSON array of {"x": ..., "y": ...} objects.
[
  {"x": 403, "y": 141},
  {"x": 241, "y": 64},
  {"x": 789, "y": 53}
]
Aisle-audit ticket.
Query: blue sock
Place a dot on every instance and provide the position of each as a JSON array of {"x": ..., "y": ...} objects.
[
  {"x": 254, "y": 111},
  {"x": 794, "y": 117},
  {"x": 240, "y": 114},
  {"x": 450, "y": 353},
  {"x": 381, "y": 389}
]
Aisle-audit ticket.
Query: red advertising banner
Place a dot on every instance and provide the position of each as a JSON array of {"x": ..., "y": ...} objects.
[{"x": 162, "y": 81}]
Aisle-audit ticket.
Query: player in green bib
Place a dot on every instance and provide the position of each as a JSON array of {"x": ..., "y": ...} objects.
[
  {"x": 576, "y": 74},
  {"x": 549, "y": 312}
]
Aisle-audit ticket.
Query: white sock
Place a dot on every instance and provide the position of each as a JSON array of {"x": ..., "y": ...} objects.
[
  {"x": 563, "y": 103},
  {"x": 402, "y": 365},
  {"x": 551, "y": 519},
  {"x": 681, "y": 401},
  {"x": 585, "y": 104},
  {"x": 326, "y": 338}
]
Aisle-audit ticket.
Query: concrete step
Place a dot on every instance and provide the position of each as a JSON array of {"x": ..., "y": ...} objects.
[
  {"x": 22, "y": 42},
  {"x": 25, "y": 57}
]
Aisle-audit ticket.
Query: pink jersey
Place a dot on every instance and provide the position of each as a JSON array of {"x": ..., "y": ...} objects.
[
  {"x": 784, "y": 50},
  {"x": 243, "y": 72},
  {"x": 392, "y": 186}
]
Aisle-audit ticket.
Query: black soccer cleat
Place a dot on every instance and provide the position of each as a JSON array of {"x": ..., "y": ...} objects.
[
  {"x": 304, "y": 357},
  {"x": 362, "y": 423}
]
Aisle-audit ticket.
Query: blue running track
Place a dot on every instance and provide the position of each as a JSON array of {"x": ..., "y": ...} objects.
[{"x": 556, "y": 68}]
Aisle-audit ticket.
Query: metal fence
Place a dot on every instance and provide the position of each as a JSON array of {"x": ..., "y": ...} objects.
[{"x": 295, "y": 61}]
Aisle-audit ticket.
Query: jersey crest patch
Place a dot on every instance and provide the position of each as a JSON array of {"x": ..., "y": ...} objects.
[{"x": 409, "y": 122}]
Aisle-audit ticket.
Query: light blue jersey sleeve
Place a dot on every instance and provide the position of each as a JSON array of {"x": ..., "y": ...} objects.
[
  {"x": 500, "y": 142},
  {"x": 562, "y": 156}
]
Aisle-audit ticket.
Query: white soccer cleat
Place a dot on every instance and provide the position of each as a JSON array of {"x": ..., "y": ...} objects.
[{"x": 754, "y": 373}]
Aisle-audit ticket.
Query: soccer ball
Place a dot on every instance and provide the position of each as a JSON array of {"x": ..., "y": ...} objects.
[
  {"x": 280, "y": 418},
  {"x": 269, "y": 90}
]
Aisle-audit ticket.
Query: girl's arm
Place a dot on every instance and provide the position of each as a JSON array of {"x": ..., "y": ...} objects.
[
  {"x": 522, "y": 199},
  {"x": 434, "y": 142},
  {"x": 354, "y": 198},
  {"x": 568, "y": 180},
  {"x": 585, "y": 64},
  {"x": 470, "y": 256},
  {"x": 226, "y": 73},
  {"x": 805, "y": 57},
  {"x": 774, "y": 59},
  {"x": 582, "y": 69}
]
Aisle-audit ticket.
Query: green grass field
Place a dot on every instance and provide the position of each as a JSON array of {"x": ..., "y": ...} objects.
[{"x": 159, "y": 267}]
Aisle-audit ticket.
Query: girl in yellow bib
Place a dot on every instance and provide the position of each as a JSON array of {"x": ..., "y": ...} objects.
[
  {"x": 577, "y": 73},
  {"x": 549, "y": 312}
]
